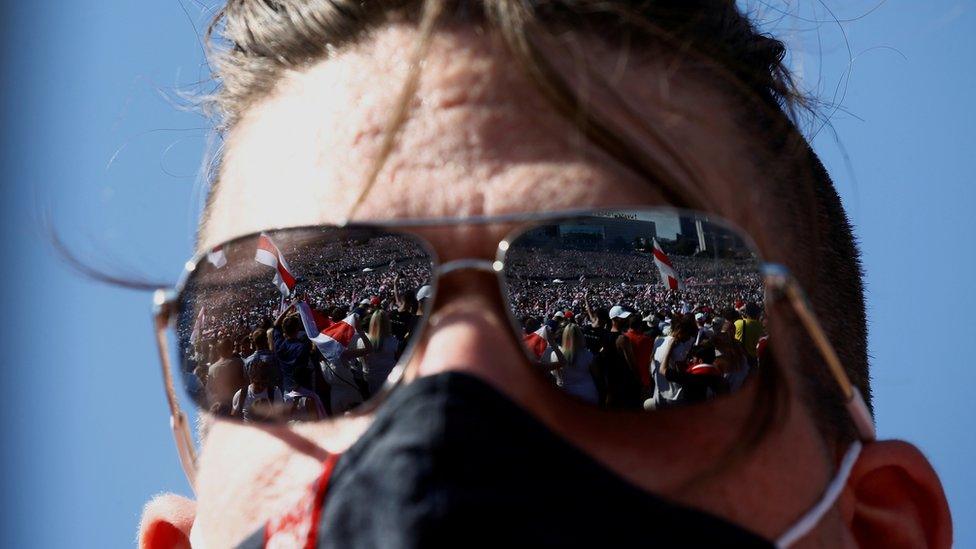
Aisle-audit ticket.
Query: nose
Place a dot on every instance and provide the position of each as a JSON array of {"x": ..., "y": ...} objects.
[{"x": 470, "y": 331}]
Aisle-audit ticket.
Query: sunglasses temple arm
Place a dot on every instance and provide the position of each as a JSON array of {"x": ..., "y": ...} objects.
[
  {"x": 779, "y": 278},
  {"x": 177, "y": 420}
]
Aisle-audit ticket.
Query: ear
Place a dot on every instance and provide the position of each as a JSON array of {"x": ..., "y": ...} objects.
[
  {"x": 895, "y": 499},
  {"x": 166, "y": 522}
]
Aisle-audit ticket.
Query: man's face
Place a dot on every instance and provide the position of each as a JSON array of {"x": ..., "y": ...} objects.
[{"x": 481, "y": 141}]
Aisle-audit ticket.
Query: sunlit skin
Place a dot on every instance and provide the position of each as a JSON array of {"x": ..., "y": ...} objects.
[{"x": 480, "y": 140}]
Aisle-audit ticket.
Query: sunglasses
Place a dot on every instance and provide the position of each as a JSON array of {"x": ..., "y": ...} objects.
[{"x": 638, "y": 309}]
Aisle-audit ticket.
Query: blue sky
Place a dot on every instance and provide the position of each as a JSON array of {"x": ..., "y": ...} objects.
[{"x": 93, "y": 135}]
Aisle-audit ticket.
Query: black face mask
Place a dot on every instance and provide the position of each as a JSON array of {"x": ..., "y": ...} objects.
[{"x": 449, "y": 461}]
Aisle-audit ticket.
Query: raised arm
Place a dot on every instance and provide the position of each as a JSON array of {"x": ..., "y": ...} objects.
[
  {"x": 367, "y": 347},
  {"x": 589, "y": 310},
  {"x": 281, "y": 316}
]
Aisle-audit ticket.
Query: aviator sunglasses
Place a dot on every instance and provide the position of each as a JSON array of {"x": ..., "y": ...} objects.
[{"x": 637, "y": 309}]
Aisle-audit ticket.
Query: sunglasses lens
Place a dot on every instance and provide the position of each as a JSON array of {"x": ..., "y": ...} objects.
[
  {"x": 638, "y": 309},
  {"x": 301, "y": 324}
]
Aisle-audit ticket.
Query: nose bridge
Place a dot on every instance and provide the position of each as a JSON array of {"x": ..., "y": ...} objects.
[{"x": 470, "y": 329}]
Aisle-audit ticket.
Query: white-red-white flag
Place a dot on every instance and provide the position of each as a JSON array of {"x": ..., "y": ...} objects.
[
  {"x": 217, "y": 257},
  {"x": 537, "y": 341},
  {"x": 669, "y": 276},
  {"x": 198, "y": 326},
  {"x": 268, "y": 254},
  {"x": 330, "y": 338}
]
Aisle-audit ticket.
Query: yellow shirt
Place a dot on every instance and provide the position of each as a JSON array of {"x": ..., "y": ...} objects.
[{"x": 748, "y": 332}]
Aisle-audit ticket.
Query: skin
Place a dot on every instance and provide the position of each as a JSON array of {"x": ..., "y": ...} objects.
[{"x": 481, "y": 141}]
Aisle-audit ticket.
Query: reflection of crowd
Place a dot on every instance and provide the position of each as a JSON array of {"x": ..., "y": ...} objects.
[
  {"x": 624, "y": 359},
  {"x": 608, "y": 332},
  {"x": 247, "y": 352}
]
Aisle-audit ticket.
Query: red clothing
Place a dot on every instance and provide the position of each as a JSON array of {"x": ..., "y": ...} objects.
[{"x": 643, "y": 346}]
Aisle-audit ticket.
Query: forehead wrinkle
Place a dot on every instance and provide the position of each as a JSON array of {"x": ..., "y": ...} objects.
[
  {"x": 479, "y": 139},
  {"x": 462, "y": 129}
]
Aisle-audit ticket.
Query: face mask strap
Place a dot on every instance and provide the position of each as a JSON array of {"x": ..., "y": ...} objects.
[{"x": 812, "y": 517}]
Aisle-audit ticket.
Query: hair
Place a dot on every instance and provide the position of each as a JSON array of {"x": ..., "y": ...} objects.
[
  {"x": 409, "y": 301},
  {"x": 379, "y": 328},
  {"x": 291, "y": 325},
  {"x": 704, "y": 352},
  {"x": 602, "y": 316},
  {"x": 530, "y": 324},
  {"x": 637, "y": 323},
  {"x": 259, "y": 339},
  {"x": 572, "y": 342},
  {"x": 225, "y": 347},
  {"x": 684, "y": 327}
]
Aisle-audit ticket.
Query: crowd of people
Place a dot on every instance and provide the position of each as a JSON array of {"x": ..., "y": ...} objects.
[
  {"x": 607, "y": 331},
  {"x": 622, "y": 358},
  {"x": 246, "y": 351},
  {"x": 598, "y": 323}
]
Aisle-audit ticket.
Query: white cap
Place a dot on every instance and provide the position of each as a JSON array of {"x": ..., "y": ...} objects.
[
  {"x": 699, "y": 316},
  {"x": 423, "y": 293},
  {"x": 618, "y": 312},
  {"x": 365, "y": 301}
]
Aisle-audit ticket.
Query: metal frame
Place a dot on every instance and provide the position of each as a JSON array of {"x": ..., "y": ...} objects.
[{"x": 777, "y": 280}]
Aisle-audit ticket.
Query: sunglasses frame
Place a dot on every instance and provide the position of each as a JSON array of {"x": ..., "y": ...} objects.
[{"x": 777, "y": 280}]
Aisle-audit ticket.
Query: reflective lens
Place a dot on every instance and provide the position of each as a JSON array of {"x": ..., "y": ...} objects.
[
  {"x": 638, "y": 309},
  {"x": 300, "y": 324}
]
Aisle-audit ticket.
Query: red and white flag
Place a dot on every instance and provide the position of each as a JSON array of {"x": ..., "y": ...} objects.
[
  {"x": 669, "y": 277},
  {"x": 198, "y": 326},
  {"x": 537, "y": 341},
  {"x": 331, "y": 338},
  {"x": 217, "y": 257},
  {"x": 268, "y": 254}
]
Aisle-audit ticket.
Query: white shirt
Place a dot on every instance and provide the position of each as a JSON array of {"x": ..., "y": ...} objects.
[
  {"x": 252, "y": 397},
  {"x": 666, "y": 392}
]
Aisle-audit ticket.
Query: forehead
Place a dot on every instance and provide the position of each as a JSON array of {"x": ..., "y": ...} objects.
[{"x": 480, "y": 139}]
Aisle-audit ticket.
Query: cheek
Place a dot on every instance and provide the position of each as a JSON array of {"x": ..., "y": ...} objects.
[{"x": 248, "y": 475}]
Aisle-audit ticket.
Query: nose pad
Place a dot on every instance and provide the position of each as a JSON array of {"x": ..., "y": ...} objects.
[{"x": 469, "y": 331}]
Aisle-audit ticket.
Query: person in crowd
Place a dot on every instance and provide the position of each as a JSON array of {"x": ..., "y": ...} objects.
[
  {"x": 698, "y": 376},
  {"x": 642, "y": 346},
  {"x": 748, "y": 330},
  {"x": 571, "y": 365},
  {"x": 301, "y": 402},
  {"x": 345, "y": 376},
  {"x": 705, "y": 331},
  {"x": 732, "y": 360},
  {"x": 596, "y": 332},
  {"x": 260, "y": 400},
  {"x": 597, "y": 329},
  {"x": 243, "y": 347},
  {"x": 261, "y": 344},
  {"x": 291, "y": 347},
  {"x": 616, "y": 363},
  {"x": 224, "y": 377},
  {"x": 672, "y": 354},
  {"x": 718, "y": 325},
  {"x": 378, "y": 364},
  {"x": 404, "y": 319}
]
